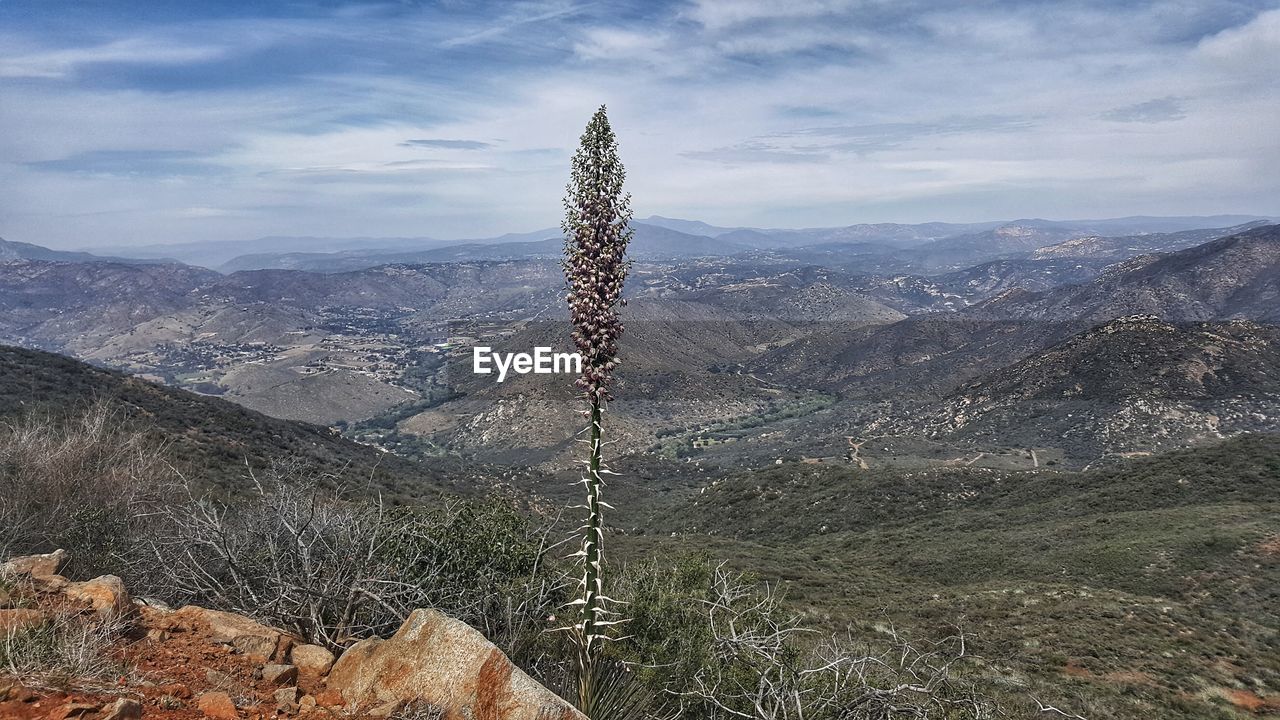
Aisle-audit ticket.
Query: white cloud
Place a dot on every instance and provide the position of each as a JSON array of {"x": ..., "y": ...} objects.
[
  {"x": 326, "y": 153},
  {"x": 721, "y": 14},
  {"x": 61, "y": 63},
  {"x": 604, "y": 43},
  {"x": 1252, "y": 50}
]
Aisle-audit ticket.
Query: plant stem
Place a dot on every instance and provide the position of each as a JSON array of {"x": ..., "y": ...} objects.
[{"x": 592, "y": 583}]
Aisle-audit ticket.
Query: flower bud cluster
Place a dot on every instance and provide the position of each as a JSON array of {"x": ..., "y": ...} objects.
[{"x": 597, "y": 215}]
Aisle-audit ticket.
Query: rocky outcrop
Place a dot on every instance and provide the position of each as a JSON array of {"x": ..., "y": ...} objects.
[
  {"x": 253, "y": 639},
  {"x": 231, "y": 667},
  {"x": 438, "y": 661},
  {"x": 106, "y": 595},
  {"x": 35, "y": 566}
]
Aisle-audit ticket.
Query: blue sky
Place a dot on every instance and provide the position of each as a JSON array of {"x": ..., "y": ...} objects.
[{"x": 152, "y": 122}]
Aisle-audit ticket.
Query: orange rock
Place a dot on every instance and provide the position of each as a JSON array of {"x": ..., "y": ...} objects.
[
  {"x": 19, "y": 618},
  {"x": 217, "y": 706},
  {"x": 330, "y": 699},
  {"x": 257, "y": 641},
  {"x": 311, "y": 659},
  {"x": 37, "y": 566},
  {"x": 177, "y": 690},
  {"x": 122, "y": 709},
  {"x": 280, "y": 674},
  {"x": 74, "y": 710},
  {"x": 106, "y": 595},
  {"x": 436, "y": 660}
]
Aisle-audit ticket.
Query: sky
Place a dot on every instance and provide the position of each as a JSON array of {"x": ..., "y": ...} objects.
[{"x": 141, "y": 121}]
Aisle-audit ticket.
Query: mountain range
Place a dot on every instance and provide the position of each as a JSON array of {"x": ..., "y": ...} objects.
[{"x": 739, "y": 352}]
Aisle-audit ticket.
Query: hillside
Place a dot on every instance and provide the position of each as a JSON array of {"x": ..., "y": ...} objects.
[
  {"x": 10, "y": 250},
  {"x": 1115, "y": 249},
  {"x": 1133, "y": 384},
  {"x": 1107, "y": 584},
  {"x": 1233, "y": 277},
  {"x": 215, "y": 438}
]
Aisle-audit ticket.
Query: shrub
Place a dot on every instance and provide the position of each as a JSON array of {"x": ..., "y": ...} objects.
[
  {"x": 334, "y": 566},
  {"x": 66, "y": 648},
  {"x": 89, "y": 482},
  {"x": 722, "y": 646}
]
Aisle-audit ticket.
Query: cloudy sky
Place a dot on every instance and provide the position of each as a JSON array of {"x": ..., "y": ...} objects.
[{"x": 139, "y": 121}]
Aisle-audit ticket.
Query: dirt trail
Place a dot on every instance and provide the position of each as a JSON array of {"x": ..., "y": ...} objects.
[{"x": 855, "y": 453}]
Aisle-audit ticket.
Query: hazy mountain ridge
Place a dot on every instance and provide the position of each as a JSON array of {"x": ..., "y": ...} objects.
[
  {"x": 11, "y": 251},
  {"x": 754, "y": 339}
]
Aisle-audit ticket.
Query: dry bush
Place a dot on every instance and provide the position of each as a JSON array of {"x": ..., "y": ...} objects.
[
  {"x": 335, "y": 567},
  {"x": 723, "y": 647},
  {"x": 66, "y": 648},
  {"x": 89, "y": 483}
]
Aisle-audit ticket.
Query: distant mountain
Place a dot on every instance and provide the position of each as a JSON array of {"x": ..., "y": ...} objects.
[
  {"x": 691, "y": 227},
  {"x": 1233, "y": 277},
  {"x": 892, "y": 234},
  {"x": 650, "y": 242},
  {"x": 211, "y": 254},
  {"x": 921, "y": 356},
  {"x": 56, "y": 304},
  {"x": 961, "y": 251},
  {"x": 1132, "y": 384},
  {"x": 1115, "y": 249},
  {"x": 10, "y": 250},
  {"x": 1146, "y": 224}
]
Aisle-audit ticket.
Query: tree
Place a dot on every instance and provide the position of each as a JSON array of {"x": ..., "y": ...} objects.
[{"x": 597, "y": 230}]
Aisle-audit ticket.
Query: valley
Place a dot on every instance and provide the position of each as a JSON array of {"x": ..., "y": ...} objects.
[
  {"x": 1062, "y": 443},
  {"x": 769, "y": 349}
]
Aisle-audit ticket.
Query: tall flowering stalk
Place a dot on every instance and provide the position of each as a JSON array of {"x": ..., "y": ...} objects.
[{"x": 596, "y": 227}]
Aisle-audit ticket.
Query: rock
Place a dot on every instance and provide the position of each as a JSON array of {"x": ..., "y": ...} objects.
[
  {"x": 217, "y": 705},
  {"x": 50, "y": 583},
  {"x": 259, "y": 642},
  {"x": 23, "y": 694},
  {"x": 311, "y": 659},
  {"x": 74, "y": 710},
  {"x": 280, "y": 674},
  {"x": 13, "y": 619},
  {"x": 37, "y": 566},
  {"x": 330, "y": 699},
  {"x": 436, "y": 660},
  {"x": 218, "y": 680},
  {"x": 177, "y": 690},
  {"x": 106, "y": 595},
  {"x": 287, "y": 696},
  {"x": 307, "y": 703},
  {"x": 122, "y": 709}
]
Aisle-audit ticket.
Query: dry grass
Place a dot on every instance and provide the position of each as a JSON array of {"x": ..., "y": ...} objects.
[{"x": 67, "y": 648}]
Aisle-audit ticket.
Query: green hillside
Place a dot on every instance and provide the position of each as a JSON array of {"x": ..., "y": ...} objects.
[{"x": 1146, "y": 589}]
